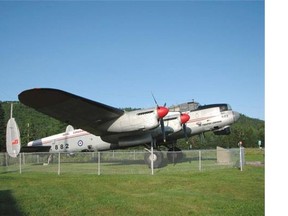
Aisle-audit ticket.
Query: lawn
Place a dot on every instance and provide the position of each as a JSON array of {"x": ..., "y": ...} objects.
[{"x": 213, "y": 192}]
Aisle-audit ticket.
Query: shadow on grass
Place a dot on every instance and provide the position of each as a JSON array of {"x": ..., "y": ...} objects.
[{"x": 8, "y": 205}]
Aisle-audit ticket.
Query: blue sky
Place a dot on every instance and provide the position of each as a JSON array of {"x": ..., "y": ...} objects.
[{"x": 118, "y": 52}]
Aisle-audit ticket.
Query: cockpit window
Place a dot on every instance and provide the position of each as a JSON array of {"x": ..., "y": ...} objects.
[{"x": 223, "y": 108}]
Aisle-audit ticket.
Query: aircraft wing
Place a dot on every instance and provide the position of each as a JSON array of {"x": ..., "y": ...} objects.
[
  {"x": 35, "y": 149},
  {"x": 69, "y": 108}
]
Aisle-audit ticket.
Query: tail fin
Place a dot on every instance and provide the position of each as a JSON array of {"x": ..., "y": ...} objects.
[{"x": 13, "y": 142}]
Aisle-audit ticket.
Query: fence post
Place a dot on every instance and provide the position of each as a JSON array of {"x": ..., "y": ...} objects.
[
  {"x": 200, "y": 160},
  {"x": 20, "y": 163},
  {"x": 59, "y": 163},
  {"x": 6, "y": 159},
  {"x": 241, "y": 158},
  {"x": 99, "y": 167},
  {"x": 152, "y": 159},
  {"x": 23, "y": 159}
]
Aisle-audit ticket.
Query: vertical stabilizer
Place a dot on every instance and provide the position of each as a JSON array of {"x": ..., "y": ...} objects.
[{"x": 13, "y": 142}]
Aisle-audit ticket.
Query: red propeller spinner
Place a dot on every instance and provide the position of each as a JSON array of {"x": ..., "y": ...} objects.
[
  {"x": 162, "y": 111},
  {"x": 184, "y": 118}
]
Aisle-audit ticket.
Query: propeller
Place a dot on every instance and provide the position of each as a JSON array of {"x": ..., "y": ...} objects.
[
  {"x": 184, "y": 119},
  {"x": 162, "y": 111}
]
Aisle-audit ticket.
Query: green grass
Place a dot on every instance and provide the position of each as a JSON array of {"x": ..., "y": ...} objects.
[
  {"x": 214, "y": 192},
  {"x": 255, "y": 154}
]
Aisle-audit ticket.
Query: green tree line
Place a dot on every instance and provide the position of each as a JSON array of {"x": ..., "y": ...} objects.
[{"x": 34, "y": 125}]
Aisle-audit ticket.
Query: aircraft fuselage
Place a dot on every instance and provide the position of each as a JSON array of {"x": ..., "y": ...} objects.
[{"x": 215, "y": 117}]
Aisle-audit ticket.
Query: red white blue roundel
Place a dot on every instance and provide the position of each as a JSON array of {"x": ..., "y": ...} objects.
[{"x": 80, "y": 143}]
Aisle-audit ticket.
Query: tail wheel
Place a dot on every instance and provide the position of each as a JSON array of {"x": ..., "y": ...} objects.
[
  {"x": 157, "y": 158},
  {"x": 174, "y": 155}
]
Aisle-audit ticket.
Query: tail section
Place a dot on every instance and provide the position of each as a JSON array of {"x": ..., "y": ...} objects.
[{"x": 13, "y": 142}]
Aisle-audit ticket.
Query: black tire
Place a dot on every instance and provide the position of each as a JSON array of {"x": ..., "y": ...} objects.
[{"x": 158, "y": 159}]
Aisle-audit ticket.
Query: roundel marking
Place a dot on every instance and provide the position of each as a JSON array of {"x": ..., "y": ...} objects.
[{"x": 80, "y": 143}]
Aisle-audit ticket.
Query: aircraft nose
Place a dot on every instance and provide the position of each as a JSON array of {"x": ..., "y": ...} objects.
[{"x": 236, "y": 116}]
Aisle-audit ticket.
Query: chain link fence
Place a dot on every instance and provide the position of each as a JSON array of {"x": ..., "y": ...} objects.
[{"x": 123, "y": 162}]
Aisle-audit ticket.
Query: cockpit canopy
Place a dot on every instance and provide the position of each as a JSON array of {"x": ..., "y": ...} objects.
[
  {"x": 223, "y": 107},
  {"x": 193, "y": 106},
  {"x": 184, "y": 107}
]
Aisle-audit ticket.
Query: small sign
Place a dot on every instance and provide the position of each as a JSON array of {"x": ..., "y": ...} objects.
[{"x": 259, "y": 143}]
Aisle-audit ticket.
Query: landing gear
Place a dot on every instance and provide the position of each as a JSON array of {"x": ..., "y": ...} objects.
[
  {"x": 154, "y": 159},
  {"x": 174, "y": 155},
  {"x": 157, "y": 158}
]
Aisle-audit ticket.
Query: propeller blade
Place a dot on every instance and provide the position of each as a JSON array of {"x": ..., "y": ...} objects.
[
  {"x": 163, "y": 129},
  {"x": 155, "y": 100},
  {"x": 185, "y": 132},
  {"x": 184, "y": 119},
  {"x": 162, "y": 111}
]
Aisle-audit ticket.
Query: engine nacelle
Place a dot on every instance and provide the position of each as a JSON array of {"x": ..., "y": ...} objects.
[{"x": 138, "y": 120}]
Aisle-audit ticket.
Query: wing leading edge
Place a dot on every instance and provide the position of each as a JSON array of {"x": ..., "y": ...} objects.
[{"x": 70, "y": 108}]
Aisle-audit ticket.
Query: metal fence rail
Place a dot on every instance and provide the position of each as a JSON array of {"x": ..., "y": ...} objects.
[{"x": 119, "y": 162}]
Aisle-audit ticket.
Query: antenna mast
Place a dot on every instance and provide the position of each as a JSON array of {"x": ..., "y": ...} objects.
[{"x": 11, "y": 111}]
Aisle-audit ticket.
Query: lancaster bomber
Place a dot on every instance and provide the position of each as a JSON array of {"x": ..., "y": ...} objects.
[{"x": 103, "y": 127}]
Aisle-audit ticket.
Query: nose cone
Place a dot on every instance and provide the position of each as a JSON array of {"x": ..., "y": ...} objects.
[
  {"x": 162, "y": 112},
  {"x": 236, "y": 116},
  {"x": 184, "y": 118}
]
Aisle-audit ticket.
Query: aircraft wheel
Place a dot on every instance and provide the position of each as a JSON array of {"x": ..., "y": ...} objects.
[
  {"x": 157, "y": 159},
  {"x": 174, "y": 155}
]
